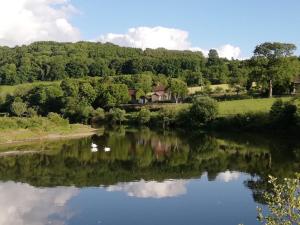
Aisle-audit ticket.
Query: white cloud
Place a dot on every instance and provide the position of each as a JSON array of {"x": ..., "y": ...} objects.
[
  {"x": 162, "y": 37},
  {"x": 22, "y": 204},
  {"x": 150, "y": 37},
  {"x": 151, "y": 189},
  {"x": 26, "y": 21},
  {"x": 229, "y": 51},
  {"x": 228, "y": 176}
]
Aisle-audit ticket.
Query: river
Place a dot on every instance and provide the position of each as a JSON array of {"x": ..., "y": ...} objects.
[{"x": 144, "y": 177}]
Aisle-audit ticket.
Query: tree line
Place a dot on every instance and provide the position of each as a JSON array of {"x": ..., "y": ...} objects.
[
  {"x": 80, "y": 100},
  {"x": 272, "y": 67}
]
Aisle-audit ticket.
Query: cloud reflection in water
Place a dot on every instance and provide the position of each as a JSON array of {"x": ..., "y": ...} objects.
[
  {"x": 151, "y": 189},
  {"x": 22, "y": 204}
]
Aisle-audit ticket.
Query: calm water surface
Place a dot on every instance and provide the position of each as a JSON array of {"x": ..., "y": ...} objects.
[{"x": 146, "y": 178}]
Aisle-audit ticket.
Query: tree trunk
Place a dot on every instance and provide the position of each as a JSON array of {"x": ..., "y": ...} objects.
[{"x": 270, "y": 88}]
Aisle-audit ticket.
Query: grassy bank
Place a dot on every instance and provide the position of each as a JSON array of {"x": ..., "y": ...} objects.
[
  {"x": 241, "y": 115},
  {"x": 229, "y": 108},
  {"x": 235, "y": 107},
  {"x": 12, "y": 89},
  {"x": 13, "y": 129}
]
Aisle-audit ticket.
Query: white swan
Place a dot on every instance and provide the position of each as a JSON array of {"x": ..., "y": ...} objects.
[
  {"x": 106, "y": 149},
  {"x": 94, "y": 149},
  {"x": 94, "y": 145}
]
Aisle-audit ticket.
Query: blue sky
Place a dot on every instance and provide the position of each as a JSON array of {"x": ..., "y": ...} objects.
[
  {"x": 233, "y": 27},
  {"x": 210, "y": 24}
]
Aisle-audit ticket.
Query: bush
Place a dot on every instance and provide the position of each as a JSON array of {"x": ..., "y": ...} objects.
[
  {"x": 77, "y": 112},
  {"x": 218, "y": 90},
  {"x": 166, "y": 117},
  {"x": 283, "y": 202},
  {"x": 203, "y": 110},
  {"x": 18, "y": 108},
  {"x": 98, "y": 115},
  {"x": 144, "y": 116},
  {"x": 248, "y": 121},
  {"x": 283, "y": 113},
  {"x": 116, "y": 115},
  {"x": 57, "y": 119},
  {"x": 31, "y": 112}
]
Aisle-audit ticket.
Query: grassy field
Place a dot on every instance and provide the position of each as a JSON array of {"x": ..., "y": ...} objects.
[
  {"x": 247, "y": 105},
  {"x": 234, "y": 107},
  {"x": 7, "y": 89},
  {"x": 14, "y": 130}
]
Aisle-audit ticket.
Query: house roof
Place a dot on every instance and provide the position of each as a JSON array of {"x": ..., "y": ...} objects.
[
  {"x": 159, "y": 93},
  {"x": 159, "y": 88}
]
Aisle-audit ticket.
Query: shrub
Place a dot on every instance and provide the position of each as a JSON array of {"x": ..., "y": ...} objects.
[
  {"x": 77, "y": 112},
  {"x": 283, "y": 113},
  {"x": 248, "y": 121},
  {"x": 116, "y": 115},
  {"x": 31, "y": 112},
  {"x": 57, "y": 119},
  {"x": 18, "y": 108},
  {"x": 98, "y": 115},
  {"x": 203, "y": 110},
  {"x": 207, "y": 90},
  {"x": 219, "y": 90},
  {"x": 167, "y": 117},
  {"x": 144, "y": 116},
  {"x": 283, "y": 202}
]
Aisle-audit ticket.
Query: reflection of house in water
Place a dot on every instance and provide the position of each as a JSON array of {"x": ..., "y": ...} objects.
[{"x": 160, "y": 148}]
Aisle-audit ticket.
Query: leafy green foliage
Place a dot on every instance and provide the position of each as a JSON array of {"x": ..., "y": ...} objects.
[
  {"x": 116, "y": 115},
  {"x": 272, "y": 64},
  {"x": 283, "y": 202},
  {"x": 144, "y": 116},
  {"x": 18, "y": 108},
  {"x": 98, "y": 115},
  {"x": 283, "y": 113},
  {"x": 57, "y": 119},
  {"x": 203, "y": 110},
  {"x": 55, "y": 61},
  {"x": 178, "y": 89}
]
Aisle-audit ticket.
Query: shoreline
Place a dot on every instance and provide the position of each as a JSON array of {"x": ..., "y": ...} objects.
[{"x": 51, "y": 136}]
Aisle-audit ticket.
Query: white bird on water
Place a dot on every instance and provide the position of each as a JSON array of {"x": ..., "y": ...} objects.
[
  {"x": 94, "y": 147},
  {"x": 106, "y": 149}
]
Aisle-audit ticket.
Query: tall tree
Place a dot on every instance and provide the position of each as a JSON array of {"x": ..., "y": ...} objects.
[
  {"x": 178, "y": 89},
  {"x": 273, "y": 55}
]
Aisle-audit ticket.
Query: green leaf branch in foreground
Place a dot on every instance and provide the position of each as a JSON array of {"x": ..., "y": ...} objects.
[{"x": 283, "y": 202}]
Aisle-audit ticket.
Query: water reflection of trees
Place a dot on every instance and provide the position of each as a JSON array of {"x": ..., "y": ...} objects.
[{"x": 144, "y": 154}]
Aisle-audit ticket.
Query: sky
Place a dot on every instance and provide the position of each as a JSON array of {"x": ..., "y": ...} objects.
[{"x": 233, "y": 27}]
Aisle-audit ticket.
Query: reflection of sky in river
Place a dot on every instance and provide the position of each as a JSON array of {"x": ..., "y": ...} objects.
[
  {"x": 195, "y": 201},
  {"x": 168, "y": 188},
  {"x": 23, "y": 204}
]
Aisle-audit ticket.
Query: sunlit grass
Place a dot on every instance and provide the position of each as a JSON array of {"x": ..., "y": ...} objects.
[
  {"x": 247, "y": 106},
  {"x": 234, "y": 107},
  {"x": 11, "y": 89}
]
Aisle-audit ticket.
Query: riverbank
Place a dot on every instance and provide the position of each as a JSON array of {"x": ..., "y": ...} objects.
[
  {"x": 254, "y": 115},
  {"x": 18, "y": 130}
]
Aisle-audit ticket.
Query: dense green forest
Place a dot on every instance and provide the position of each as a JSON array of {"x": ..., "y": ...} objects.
[
  {"x": 93, "y": 77},
  {"x": 49, "y": 61}
]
